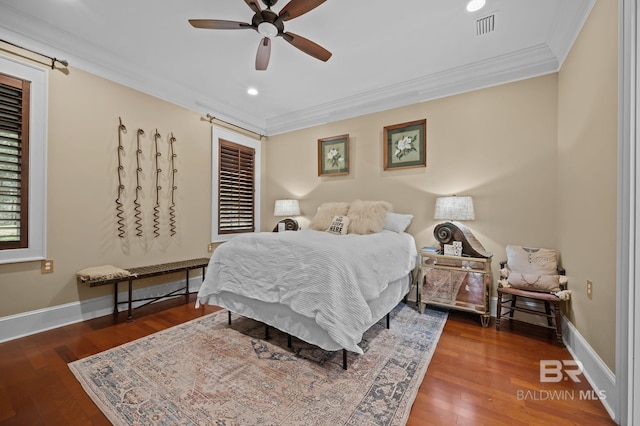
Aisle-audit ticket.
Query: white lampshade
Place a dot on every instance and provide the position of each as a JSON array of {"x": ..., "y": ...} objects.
[
  {"x": 454, "y": 208},
  {"x": 286, "y": 208}
]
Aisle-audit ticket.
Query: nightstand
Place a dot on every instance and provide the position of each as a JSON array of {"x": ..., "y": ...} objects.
[{"x": 456, "y": 282}]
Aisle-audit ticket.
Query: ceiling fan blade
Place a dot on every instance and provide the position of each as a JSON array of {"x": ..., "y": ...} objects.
[
  {"x": 264, "y": 54},
  {"x": 217, "y": 24},
  {"x": 307, "y": 46},
  {"x": 295, "y": 8},
  {"x": 253, "y": 4}
]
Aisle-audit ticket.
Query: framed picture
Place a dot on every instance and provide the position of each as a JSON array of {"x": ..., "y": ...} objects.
[
  {"x": 333, "y": 156},
  {"x": 405, "y": 145}
]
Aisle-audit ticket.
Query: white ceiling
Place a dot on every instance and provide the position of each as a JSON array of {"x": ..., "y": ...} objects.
[{"x": 385, "y": 53}]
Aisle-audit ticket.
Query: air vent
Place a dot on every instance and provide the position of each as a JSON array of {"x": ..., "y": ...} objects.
[{"x": 485, "y": 25}]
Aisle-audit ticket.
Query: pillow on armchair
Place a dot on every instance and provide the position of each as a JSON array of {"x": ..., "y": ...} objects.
[{"x": 532, "y": 269}]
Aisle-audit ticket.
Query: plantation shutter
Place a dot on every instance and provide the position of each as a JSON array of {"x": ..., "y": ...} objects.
[
  {"x": 14, "y": 165},
  {"x": 236, "y": 188}
]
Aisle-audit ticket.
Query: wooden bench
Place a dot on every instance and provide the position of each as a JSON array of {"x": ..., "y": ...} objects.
[{"x": 148, "y": 272}]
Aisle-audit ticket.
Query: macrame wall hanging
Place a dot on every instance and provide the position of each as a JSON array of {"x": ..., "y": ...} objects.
[{"x": 138, "y": 207}]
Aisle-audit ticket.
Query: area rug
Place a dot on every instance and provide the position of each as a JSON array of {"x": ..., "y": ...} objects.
[{"x": 205, "y": 372}]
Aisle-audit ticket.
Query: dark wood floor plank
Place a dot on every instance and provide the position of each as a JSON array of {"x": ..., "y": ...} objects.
[{"x": 473, "y": 378}]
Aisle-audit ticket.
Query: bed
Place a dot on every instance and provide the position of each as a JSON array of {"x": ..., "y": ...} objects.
[{"x": 323, "y": 288}]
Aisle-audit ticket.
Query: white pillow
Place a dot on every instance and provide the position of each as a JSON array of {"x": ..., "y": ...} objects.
[
  {"x": 339, "y": 225},
  {"x": 397, "y": 222}
]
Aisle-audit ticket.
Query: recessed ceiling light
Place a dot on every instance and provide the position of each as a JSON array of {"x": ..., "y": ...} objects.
[
  {"x": 252, "y": 91},
  {"x": 475, "y": 5}
]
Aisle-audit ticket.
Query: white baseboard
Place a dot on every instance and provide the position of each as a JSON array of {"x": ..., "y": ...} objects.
[
  {"x": 597, "y": 373},
  {"x": 27, "y": 323}
]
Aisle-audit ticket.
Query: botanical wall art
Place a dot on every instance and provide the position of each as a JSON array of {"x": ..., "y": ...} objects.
[
  {"x": 333, "y": 156},
  {"x": 405, "y": 145}
]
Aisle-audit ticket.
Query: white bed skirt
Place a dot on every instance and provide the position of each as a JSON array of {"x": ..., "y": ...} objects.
[{"x": 305, "y": 328}]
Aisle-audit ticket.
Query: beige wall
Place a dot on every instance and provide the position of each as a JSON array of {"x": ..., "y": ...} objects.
[
  {"x": 538, "y": 156},
  {"x": 587, "y": 176},
  {"x": 498, "y": 145},
  {"x": 82, "y": 183}
]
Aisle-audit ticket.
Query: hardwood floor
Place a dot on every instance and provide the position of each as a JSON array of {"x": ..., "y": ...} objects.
[{"x": 476, "y": 376}]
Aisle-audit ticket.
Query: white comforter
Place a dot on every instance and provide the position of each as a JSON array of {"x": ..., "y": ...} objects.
[{"x": 319, "y": 275}]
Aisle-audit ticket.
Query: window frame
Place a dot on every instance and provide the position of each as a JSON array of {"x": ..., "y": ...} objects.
[
  {"x": 240, "y": 160},
  {"x": 217, "y": 134},
  {"x": 37, "y": 168},
  {"x": 24, "y": 87}
]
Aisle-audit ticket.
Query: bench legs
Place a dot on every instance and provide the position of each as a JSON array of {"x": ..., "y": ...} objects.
[
  {"x": 148, "y": 299},
  {"x": 115, "y": 298},
  {"x": 129, "y": 311}
]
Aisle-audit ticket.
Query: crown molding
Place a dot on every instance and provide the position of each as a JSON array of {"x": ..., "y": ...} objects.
[
  {"x": 526, "y": 63},
  {"x": 540, "y": 59},
  {"x": 27, "y": 31},
  {"x": 565, "y": 31}
]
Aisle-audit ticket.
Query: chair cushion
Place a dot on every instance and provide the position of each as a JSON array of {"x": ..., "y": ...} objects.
[{"x": 549, "y": 297}]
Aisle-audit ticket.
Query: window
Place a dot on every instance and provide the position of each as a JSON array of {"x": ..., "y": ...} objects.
[
  {"x": 235, "y": 188},
  {"x": 14, "y": 162},
  {"x": 235, "y": 184},
  {"x": 23, "y": 155}
]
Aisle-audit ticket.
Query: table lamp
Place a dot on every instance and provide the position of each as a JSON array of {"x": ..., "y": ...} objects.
[
  {"x": 454, "y": 209},
  {"x": 286, "y": 208}
]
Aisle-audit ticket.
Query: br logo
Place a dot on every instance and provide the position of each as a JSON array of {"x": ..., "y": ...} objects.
[{"x": 554, "y": 371}]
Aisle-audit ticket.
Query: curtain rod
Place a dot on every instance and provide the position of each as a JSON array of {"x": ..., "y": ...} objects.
[
  {"x": 210, "y": 119},
  {"x": 52, "y": 59}
]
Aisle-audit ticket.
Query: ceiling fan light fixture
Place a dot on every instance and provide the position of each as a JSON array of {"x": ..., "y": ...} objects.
[
  {"x": 475, "y": 5},
  {"x": 267, "y": 29}
]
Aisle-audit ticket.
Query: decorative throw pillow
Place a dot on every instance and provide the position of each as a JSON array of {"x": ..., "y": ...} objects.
[
  {"x": 367, "y": 217},
  {"x": 532, "y": 282},
  {"x": 325, "y": 214},
  {"x": 339, "y": 225},
  {"x": 397, "y": 222},
  {"x": 534, "y": 261},
  {"x": 103, "y": 272}
]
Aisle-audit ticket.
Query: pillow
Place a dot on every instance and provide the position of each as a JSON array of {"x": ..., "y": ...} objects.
[
  {"x": 103, "y": 272},
  {"x": 532, "y": 282},
  {"x": 535, "y": 261},
  {"x": 325, "y": 214},
  {"x": 397, "y": 222},
  {"x": 339, "y": 225},
  {"x": 367, "y": 217}
]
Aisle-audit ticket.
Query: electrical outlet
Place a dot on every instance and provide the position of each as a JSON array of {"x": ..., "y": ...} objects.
[
  {"x": 46, "y": 266},
  {"x": 210, "y": 248},
  {"x": 589, "y": 289}
]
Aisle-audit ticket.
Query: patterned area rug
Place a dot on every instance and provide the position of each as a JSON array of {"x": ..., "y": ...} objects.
[{"x": 205, "y": 372}]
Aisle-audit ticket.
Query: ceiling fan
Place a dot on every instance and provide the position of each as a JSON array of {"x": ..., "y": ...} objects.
[{"x": 270, "y": 25}]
